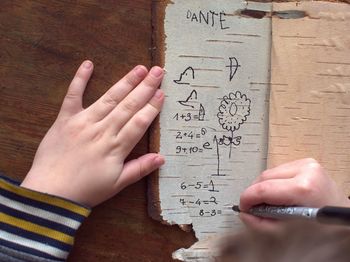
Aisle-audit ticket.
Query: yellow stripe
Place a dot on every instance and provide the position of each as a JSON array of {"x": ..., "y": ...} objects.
[
  {"x": 52, "y": 200},
  {"x": 44, "y": 231}
]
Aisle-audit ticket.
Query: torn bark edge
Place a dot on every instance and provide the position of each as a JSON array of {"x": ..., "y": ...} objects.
[{"x": 158, "y": 58}]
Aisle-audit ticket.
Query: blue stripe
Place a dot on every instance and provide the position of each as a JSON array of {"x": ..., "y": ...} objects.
[
  {"x": 37, "y": 220},
  {"x": 9, "y": 180},
  {"x": 36, "y": 237},
  {"x": 28, "y": 250},
  {"x": 42, "y": 205}
]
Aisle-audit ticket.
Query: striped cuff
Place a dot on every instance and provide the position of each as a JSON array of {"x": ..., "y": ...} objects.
[{"x": 38, "y": 224}]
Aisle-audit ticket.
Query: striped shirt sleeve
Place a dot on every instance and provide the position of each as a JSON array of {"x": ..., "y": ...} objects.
[{"x": 37, "y": 225}]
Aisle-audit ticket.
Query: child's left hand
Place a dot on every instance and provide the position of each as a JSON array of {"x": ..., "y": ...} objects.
[{"x": 82, "y": 157}]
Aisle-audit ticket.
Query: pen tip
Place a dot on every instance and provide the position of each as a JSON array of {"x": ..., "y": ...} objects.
[{"x": 236, "y": 208}]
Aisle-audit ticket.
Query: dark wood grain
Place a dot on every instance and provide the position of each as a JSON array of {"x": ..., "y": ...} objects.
[{"x": 41, "y": 45}]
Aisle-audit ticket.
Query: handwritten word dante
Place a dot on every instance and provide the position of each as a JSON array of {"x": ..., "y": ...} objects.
[{"x": 210, "y": 18}]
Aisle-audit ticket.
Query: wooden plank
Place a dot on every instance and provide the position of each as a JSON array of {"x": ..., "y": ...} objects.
[{"x": 41, "y": 46}]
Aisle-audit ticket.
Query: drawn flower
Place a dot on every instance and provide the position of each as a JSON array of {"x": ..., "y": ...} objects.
[{"x": 233, "y": 111}]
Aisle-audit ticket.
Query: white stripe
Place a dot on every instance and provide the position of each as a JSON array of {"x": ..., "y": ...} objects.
[
  {"x": 40, "y": 213},
  {"x": 33, "y": 244}
]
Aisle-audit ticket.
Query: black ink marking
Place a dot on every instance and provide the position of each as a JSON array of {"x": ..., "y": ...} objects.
[
  {"x": 212, "y": 187},
  {"x": 222, "y": 20},
  {"x": 192, "y": 102},
  {"x": 233, "y": 67},
  {"x": 210, "y": 18},
  {"x": 217, "y": 156},
  {"x": 189, "y": 135},
  {"x": 201, "y": 113},
  {"x": 204, "y": 17},
  {"x": 199, "y": 185},
  {"x": 226, "y": 141},
  {"x": 233, "y": 111},
  {"x": 211, "y": 213},
  {"x": 186, "y": 76},
  {"x": 213, "y": 14},
  {"x": 213, "y": 200},
  {"x": 189, "y": 99}
]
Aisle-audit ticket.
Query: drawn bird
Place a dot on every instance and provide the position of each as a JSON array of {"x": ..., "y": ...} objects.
[
  {"x": 192, "y": 102},
  {"x": 186, "y": 76}
]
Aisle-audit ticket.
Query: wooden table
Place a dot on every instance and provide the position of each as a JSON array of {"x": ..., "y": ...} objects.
[{"x": 41, "y": 45}]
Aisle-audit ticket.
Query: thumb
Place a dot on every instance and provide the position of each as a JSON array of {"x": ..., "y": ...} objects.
[{"x": 73, "y": 101}]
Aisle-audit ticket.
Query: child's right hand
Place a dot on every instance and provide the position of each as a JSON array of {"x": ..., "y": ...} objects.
[
  {"x": 82, "y": 157},
  {"x": 302, "y": 182}
]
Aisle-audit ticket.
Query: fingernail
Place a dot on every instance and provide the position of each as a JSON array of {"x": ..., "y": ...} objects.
[
  {"x": 87, "y": 64},
  {"x": 140, "y": 71},
  {"x": 159, "y": 160},
  {"x": 157, "y": 71},
  {"x": 159, "y": 94}
]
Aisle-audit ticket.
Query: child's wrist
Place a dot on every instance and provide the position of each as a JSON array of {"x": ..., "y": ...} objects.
[{"x": 36, "y": 183}]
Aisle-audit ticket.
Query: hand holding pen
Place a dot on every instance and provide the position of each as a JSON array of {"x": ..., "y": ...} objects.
[
  {"x": 327, "y": 215},
  {"x": 300, "y": 183}
]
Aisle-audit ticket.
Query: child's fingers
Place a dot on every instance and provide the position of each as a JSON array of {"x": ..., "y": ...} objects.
[
  {"x": 106, "y": 103},
  {"x": 73, "y": 101},
  {"x": 133, "y": 131},
  {"x": 272, "y": 192},
  {"x": 136, "y": 100},
  {"x": 285, "y": 171},
  {"x": 136, "y": 169}
]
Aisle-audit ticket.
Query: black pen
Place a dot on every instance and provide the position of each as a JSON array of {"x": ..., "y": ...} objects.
[{"x": 327, "y": 214}]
